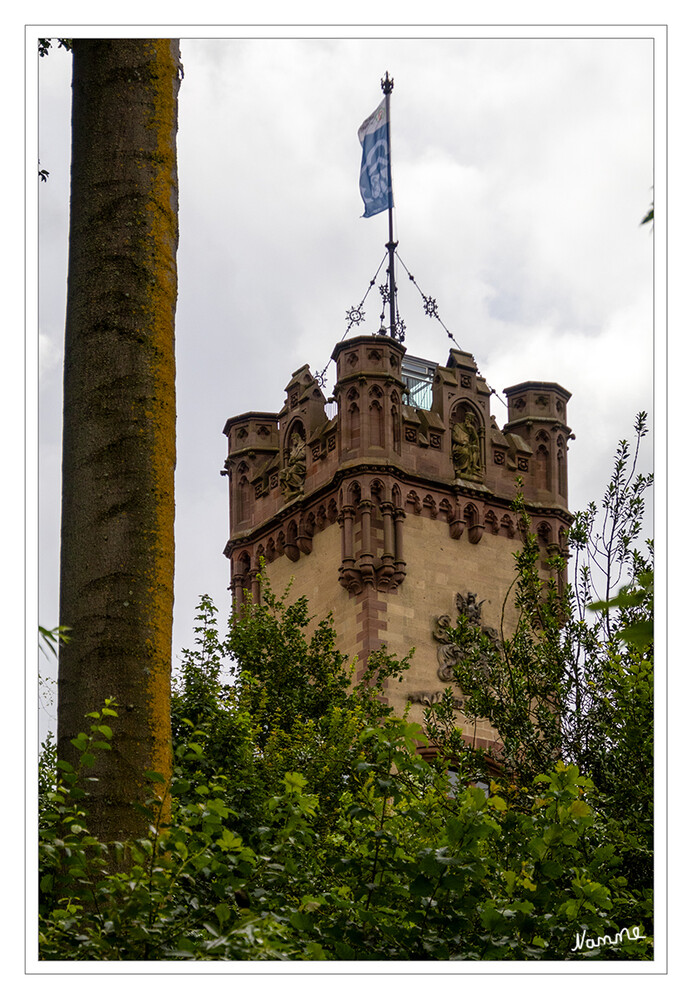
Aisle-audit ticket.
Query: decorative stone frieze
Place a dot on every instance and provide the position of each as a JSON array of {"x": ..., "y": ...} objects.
[{"x": 451, "y": 462}]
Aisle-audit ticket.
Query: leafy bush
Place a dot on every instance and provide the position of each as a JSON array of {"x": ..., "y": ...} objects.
[
  {"x": 575, "y": 680},
  {"x": 391, "y": 861}
]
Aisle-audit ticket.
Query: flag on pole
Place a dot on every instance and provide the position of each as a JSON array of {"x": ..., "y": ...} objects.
[{"x": 374, "y": 167}]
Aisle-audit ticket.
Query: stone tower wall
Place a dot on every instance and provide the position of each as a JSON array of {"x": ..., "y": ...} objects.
[
  {"x": 386, "y": 515},
  {"x": 407, "y": 618}
]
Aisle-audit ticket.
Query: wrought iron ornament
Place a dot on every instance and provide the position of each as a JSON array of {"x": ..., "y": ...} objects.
[
  {"x": 355, "y": 315},
  {"x": 430, "y": 307}
]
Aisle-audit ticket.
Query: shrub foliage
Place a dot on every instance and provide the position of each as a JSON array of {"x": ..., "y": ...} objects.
[{"x": 305, "y": 824}]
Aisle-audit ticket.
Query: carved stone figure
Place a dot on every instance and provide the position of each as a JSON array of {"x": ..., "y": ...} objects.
[
  {"x": 292, "y": 476},
  {"x": 470, "y": 608},
  {"x": 466, "y": 449}
]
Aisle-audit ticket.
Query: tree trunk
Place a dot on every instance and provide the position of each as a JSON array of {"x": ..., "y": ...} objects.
[{"x": 117, "y": 549}]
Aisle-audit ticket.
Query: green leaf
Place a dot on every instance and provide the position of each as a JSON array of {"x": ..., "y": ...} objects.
[
  {"x": 639, "y": 635},
  {"x": 491, "y": 918},
  {"x": 551, "y": 869},
  {"x": 538, "y": 848},
  {"x": 294, "y": 782},
  {"x": 302, "y": 921},
  {"x": 222, "y": 912},
  {"x": 154, "y": 776},
  {"x": 315, "y": 951},
  {"x": 554, "y": 834},
  {"x": 497, "y": 803},
  {"x": 230, "y": 840},
  {"x": 456, "y": 883},
  {"x": 455, "y": 830},
  {"x": 421, "y": 886}
]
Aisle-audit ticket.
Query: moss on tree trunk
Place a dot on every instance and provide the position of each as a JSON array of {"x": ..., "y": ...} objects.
[{"x": 117, "y": 547}]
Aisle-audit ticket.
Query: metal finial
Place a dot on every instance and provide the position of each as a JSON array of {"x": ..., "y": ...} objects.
[{"x": 387, "y": 84}]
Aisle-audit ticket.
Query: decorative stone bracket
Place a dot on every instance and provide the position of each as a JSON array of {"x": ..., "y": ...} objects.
[
  {"x": 358, "y": 570},
  {"x": 299, "y": 538}
]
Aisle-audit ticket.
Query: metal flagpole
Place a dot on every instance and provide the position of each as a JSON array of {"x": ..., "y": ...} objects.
[{"x": 387, "y": 86}]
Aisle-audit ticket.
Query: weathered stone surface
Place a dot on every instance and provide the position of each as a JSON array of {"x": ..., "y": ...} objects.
[{"x": 392, "y": 511}]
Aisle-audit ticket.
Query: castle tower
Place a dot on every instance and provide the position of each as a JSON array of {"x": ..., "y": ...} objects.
[{"x": 393, "y": 516}]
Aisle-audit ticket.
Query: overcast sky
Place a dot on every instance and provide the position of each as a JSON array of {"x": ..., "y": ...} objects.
[{"x": 521, "y": 167}]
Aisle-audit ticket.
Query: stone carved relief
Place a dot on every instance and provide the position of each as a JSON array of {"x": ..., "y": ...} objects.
[
  {"x": 492, "y": 522},
  {"x": 544, "y": 532},
  {"x": 507, "y": 526},
  {"x": 414, "y": 500},
  {"x": 450, "y": 655},
  {"x": 447, "y": 654},
  {"x": 430, "y": 505},
  {"x": 292, "y": 476},
  {"x": 429, "y": 697},
  {"x": 446, "y": 510}
]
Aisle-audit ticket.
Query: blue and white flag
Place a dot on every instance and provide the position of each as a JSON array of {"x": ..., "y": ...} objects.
[{"x": 374, "y": 167}]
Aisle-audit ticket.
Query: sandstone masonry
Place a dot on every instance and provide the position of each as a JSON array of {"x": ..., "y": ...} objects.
[{"x": 392, "y": 517}]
